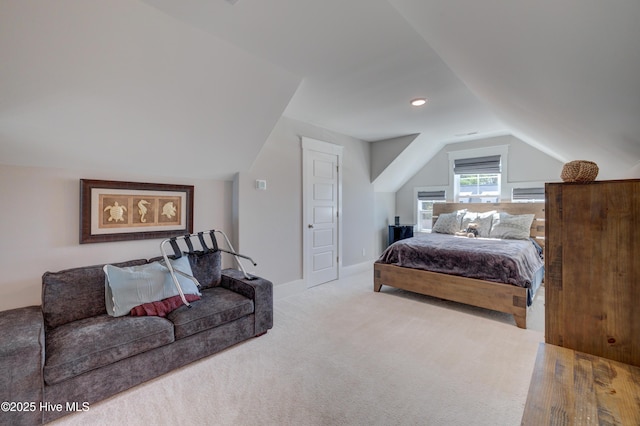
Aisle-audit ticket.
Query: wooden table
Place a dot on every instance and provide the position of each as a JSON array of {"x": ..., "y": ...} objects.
[{"x": 575, "y": 388}]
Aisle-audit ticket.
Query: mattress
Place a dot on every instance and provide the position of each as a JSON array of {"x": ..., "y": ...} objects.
[{"x": 513, "y": 262}]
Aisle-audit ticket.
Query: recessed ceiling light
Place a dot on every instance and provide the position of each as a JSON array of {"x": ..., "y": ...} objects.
[{"x": 418, "y": 102}]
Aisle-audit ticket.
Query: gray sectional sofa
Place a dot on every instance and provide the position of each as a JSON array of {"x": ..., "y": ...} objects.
[{"x": 69, "y": 353}]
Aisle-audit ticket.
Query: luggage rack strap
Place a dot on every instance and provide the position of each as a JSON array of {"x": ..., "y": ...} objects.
[{"x": 187, "y": 238}]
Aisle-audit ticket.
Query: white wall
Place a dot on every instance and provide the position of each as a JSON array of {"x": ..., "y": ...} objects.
[
  {"x": 270, "y": 221},
  {"x": 525, "y": 164},
  {"x": 122, "y": 76},
  {"x": 385, "y": 212},
  {"x": 40, "y": 221},
  {"x": 40, "y": 226}
]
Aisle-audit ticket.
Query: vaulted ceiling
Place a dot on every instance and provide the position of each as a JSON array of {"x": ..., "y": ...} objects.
[{"x": 171, "y": 88}]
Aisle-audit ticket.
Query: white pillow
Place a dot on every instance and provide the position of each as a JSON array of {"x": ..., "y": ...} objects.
[
  {"x": 448, "y": 223},
  {"x": 126, "y": 288},
  {"x": 484, "y": 221},
  {"x": 515, "y": 227}
]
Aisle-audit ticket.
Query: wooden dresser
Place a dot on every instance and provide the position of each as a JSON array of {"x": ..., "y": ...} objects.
[
  {"x": 592, "y": 268},
  {"x": 588, "y": 371},
  {"x": 574, "y": 388}
]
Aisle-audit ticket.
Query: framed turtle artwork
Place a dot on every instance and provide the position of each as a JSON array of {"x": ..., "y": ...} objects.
[{"x": 118, "y": 211}]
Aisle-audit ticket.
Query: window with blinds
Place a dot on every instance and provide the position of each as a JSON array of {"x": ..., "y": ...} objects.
[
  {"x": 426, "y": 199},
  {"x": 477, "y": 180}
]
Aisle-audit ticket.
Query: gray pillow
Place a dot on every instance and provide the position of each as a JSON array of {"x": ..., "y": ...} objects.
[
  {"x": 126, "y": 288},
  {"x": 515, "y": 227},
  {"x": 448, "y": 223}
]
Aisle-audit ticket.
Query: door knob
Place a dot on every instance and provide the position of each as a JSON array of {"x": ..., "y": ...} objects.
[{"x": 310, "y": 226}]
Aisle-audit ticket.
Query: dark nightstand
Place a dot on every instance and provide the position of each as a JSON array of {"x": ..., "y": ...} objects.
[{"x": 399, "y": 232}]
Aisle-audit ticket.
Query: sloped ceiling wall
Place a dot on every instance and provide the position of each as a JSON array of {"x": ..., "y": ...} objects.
[
  {"x": 194, "y": 88},
  {"x": 120, "y": 85},
  {"x": 562, "y": 75}
]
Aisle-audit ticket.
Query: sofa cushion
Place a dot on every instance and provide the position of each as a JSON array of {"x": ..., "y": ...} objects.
[
  {"x": 206, "y": 268},
  {"x": 91, "y": 343},
  {"x": 216, "y": 307},
  {"x": 126, "y": 288},
  {"x": 74, "y": 294}
]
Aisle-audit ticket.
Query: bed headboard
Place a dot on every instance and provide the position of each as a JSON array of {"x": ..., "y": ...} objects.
[{"x": 537, "y": 226}]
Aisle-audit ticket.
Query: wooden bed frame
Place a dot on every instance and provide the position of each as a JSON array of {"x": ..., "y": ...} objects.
[{"x": 485, "y": 294}]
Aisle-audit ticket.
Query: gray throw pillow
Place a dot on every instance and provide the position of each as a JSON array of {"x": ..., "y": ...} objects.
[
  {"x": 448, "y": 223},
  {"x": 515, "y": 227}
]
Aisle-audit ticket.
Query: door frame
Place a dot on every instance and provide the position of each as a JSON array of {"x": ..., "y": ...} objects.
[{"x": 308, "y": 145}]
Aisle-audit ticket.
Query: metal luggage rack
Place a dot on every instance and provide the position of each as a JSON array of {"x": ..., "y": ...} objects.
[{"x": 205, "y": 249}]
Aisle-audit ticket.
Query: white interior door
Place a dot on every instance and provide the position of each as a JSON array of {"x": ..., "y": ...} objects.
[{"x": 322, "y": 195}]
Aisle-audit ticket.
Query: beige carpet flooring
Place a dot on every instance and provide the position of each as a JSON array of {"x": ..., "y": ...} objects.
[{"x": 340, "y": 354}]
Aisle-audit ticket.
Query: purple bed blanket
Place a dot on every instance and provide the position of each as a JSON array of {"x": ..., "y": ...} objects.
[{"x": 503, "y": 261}]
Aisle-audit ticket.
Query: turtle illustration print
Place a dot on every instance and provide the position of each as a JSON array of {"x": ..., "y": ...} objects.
[{"x": 116, "y": 212}]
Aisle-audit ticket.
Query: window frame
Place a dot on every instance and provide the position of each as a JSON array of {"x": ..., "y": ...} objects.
[
  {"x": 504, "y": 192},
  {"x": 417, "y": 206},
  {"x": 494, "y": 197}
]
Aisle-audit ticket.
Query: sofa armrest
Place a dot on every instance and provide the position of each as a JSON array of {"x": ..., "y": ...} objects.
[
  {"x": 259, "y": 290},
  {"x": 21, "y": 362}
]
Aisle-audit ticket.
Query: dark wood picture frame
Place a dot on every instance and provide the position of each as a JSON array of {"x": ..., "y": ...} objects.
[{"x": 119, "y": 211}]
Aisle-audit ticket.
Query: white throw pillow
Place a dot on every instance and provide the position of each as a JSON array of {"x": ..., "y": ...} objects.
[
  {"x": 126, "y": 288},
  {"x": 484, "y": 221}
]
